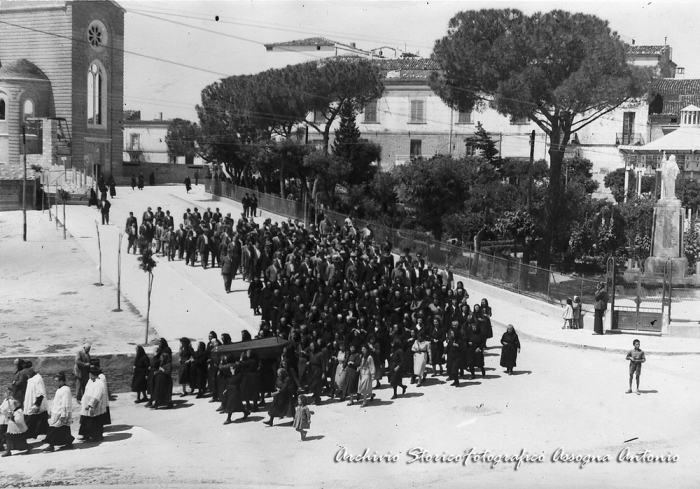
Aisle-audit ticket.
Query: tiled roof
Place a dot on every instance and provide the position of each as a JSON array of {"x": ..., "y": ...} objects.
[
  {"x": 666, "y": 86},
  {"x": 674, "y": 107},
  {"x": 646, "y": 50},
  {"x": 21, "y": 69}
]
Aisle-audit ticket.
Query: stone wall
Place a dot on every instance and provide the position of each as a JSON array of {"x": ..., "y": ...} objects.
[{"x": 164, "y": 172}]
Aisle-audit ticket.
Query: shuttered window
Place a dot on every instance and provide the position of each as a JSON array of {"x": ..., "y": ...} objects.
[{"x": 417, "y": 112}]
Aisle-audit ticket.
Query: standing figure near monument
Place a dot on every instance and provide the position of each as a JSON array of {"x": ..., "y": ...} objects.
[{"x": 601, "y": 305}]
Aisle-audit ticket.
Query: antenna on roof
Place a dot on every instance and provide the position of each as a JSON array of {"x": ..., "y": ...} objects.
[{"x": 665, "y": 40}]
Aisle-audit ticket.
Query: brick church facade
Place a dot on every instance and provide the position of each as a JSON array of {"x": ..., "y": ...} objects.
[{"x": 63, "y": 71}]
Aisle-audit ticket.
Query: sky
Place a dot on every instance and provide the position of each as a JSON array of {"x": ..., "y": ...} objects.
[{"x": 176, "y": 48}]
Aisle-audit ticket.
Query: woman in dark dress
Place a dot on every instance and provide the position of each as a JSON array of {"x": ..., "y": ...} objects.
[
  {"x": 475, "y": 350},
  {"x": 282, "y": 404},
  {"x": 510, "y": 350},
  {"x": 250, "y": 388},
  {"x": 437, "y": 346},
  {"x": 316, "y": 369},
  {"x": 396, "y": 365},
  {"x": 163, "y": 381},
  {"x": 352, "y": 361},
  {"x": 20, "y": 379},
  {"x": 184, "y": 374},
  {"x": 150, "y": 377},
  {"x": 199, "y": 372},
  {"x": 483, "y": 322},
  {"x": 112, "y": 188},
  {"x": 454, "y": 355},
  {"x": 233, "y": 396},
  {"x": 139, "y": 380},
  {"x": 140, "y": 181}
]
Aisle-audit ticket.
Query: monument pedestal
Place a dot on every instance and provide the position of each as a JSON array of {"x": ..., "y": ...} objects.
[{"x": 667, "y": 240}]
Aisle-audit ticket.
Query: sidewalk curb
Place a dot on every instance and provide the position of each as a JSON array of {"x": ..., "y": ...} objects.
[{"x": 539, "y": 339}]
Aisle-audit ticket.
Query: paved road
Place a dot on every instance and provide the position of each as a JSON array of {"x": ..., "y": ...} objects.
[{"x": 559, "y": 398}]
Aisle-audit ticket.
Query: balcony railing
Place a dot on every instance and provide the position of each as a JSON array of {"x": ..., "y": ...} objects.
[{"x": 629, "y": 139}]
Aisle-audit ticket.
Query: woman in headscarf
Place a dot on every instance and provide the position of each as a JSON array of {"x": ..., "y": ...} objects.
[
  {"x": 61, "y": 417},
  {"x": 163, "y": 381},
  {"x": 396, "y": 367},
  {"x": 437, "y": 346},
  {"x": 212, "y": 367},
  {"x": 366, "y": 375},
  {"x": 250, "y": 387},
  {"x": 483, "y": 321},
  {"x": 352, "y": 361},
  {"x": 283, "y": 403},
  {"x": 475, "y": 350},
  {"x": 421, "y": 354},
  {"x": 198, "y": 379},
  {"x": 510, "y": 350},
  {"x": 150, "y": 377},
  {"x": 184, "y": 374},
  {"x": 233, "y": 402},
  {"x": 454, "y": 354},
  {"x": 139, "y": 382},
  {"x": 317, "y": 365}
]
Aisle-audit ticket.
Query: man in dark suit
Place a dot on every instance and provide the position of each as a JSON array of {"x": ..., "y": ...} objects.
[
  {"x": 227, "y": 271},
  {"x": 81, "y": 370}
]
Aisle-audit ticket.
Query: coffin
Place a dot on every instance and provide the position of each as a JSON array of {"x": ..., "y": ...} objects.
[{"x": 265, "y": 348}]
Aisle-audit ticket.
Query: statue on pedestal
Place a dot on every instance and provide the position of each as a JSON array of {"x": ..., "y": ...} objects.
[{"x": 669, "y": 172}]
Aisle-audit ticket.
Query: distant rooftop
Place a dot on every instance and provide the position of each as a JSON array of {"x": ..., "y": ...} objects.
[
  {"x": 668, "y": 86},
  {"x": 635, "y": 50},
  {"x": 314, "y": 42}
]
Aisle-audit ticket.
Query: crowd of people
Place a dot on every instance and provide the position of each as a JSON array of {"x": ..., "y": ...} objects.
[
  {"x": 25, "y": 413},
  {"x": 352, "y": 313}
]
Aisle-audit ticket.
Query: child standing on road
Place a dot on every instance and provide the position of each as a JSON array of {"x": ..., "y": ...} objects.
[
  {"x": 577, "y": 323},
  {"x": 636, "y": 358},
  {"x": 302, "y": 418},
  {"x": 568, "y": 314}
]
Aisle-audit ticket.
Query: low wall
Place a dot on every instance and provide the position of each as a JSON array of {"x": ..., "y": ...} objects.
[
  {"x": 11, "y": 195},
  {"x": 117, "y": 368},
  {"x": 164, "y": 172}
]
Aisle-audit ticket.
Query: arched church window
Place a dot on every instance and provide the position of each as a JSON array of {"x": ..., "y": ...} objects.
[
  {"x": 28, "y": 109},
  {"x": 2, "y": 109},
  {"x": 95, "y": 93}
]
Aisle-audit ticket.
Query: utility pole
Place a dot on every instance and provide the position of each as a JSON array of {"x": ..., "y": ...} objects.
[
  {"x": 529, "y": 171},
  {"x": 24, "y": 184}
]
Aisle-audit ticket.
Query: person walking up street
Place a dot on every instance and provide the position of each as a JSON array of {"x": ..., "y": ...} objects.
[{"x": 105, "y": 212}]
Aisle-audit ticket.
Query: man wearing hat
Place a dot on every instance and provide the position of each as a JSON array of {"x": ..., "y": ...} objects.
[
  {"x": 61, "y": 417},
  {"x": 92, "y": 407},
  {"x": 81, "y": 370}
]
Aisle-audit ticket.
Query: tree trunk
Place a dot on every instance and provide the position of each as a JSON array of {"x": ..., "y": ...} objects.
[{"x": 554, "y": 197}]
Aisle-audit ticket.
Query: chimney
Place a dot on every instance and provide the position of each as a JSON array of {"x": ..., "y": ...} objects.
[
  {"x": 352, "y": 44},
  {"x": 161, "y": 116},
  {"x": 680, "y": 73}
]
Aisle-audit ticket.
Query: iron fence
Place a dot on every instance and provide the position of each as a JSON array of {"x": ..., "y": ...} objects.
[{"x": 504, "y": 272}]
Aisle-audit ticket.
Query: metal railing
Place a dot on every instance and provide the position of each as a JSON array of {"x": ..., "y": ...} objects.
[{"x": 503, "y": 272}]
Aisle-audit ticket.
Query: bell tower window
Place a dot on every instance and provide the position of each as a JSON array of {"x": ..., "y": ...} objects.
[{"x": 96, "y": 99}]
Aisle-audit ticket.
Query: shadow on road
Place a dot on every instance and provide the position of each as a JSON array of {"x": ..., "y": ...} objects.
[
  {"x": 649, "y": 392},
  {"x": 521, "y": 372},
  {"x": 117, "y": 427},
  {"x": 316, "y": 437}
]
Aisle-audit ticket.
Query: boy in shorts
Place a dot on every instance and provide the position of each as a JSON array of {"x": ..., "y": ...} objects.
[{"x": 636, "y": 358}]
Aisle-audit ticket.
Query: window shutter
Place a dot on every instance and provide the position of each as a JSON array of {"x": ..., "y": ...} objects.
[{"x": 417, "y": 112}]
